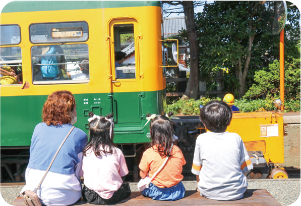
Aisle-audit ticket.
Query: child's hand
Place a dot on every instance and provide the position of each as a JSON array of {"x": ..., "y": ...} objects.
[{"x": 143, "y": 174}]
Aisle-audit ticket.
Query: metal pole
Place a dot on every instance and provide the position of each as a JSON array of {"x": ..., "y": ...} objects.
[{"x": 282, "y": 69}]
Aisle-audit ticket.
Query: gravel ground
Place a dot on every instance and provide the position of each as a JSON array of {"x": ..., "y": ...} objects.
[{"x": 286, "y": 192}]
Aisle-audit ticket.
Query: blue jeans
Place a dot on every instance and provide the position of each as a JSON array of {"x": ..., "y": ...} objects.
[{"x": 168, "y": 194}]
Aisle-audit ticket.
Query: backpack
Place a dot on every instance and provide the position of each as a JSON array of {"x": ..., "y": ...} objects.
[{"x": 49, "y": 67}]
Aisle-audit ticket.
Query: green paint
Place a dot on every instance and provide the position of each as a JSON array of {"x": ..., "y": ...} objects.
[
  {"x": 28, "y": 6},
  {"x": 20, "y": 115}
]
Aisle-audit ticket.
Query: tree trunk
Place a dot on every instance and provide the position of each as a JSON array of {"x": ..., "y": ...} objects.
[
  {"x": 193, "y": 82},
  {"x": 242, "y": 74}
]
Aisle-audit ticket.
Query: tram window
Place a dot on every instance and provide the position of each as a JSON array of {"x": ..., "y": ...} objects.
[
  {"x": 10, "y": 65},
  {"x": 59, "y": 32},
  {"x": 60, "y": 64},
  {"x": 10, "y": 34},
  {"x": 124, "y": 43}
]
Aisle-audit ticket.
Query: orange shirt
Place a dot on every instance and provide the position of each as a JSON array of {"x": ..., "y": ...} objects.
[{"x": 171, "y": 174}]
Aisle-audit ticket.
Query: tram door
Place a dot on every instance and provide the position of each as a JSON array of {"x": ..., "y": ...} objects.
[{"x": 126, "y": 96}]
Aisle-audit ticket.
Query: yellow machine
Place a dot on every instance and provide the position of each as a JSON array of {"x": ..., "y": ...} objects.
[{"x": 262, "y": 134}]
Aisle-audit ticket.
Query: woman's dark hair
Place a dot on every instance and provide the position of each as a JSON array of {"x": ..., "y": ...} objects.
[
  {"x": 216, "y": 116},
  {"x": 100, "y": 140},
  {"x": 161, "y": 130}
]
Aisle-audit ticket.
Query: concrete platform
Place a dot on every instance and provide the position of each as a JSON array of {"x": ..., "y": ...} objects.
[{"x": 291, "y": 118}]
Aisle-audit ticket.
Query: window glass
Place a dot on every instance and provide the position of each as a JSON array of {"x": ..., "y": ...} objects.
[
  {"x": 10, "y": 34},
  {"x": 10, "y": 65},
  {"x": 124, "y": 43},
  {"x": 60, "y": 63},
  {"x": 59, "y": 32}
]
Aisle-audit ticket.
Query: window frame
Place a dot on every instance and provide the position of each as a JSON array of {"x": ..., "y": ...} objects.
[
  {"x": 19, "y": 31},
  {"x": 16, "y": 62},
  {"x": 55, "y": 82},
  {"x": 121, "y": 21},
  {"x": 59, "y": 42}
]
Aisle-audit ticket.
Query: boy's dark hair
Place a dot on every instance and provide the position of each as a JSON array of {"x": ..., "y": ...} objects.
[
  {"x": 119, "y": 55},
  {"x": 100, "y": 136},
  {"x": 216, "y": 116},
  {"x": 161, "y": 130}
]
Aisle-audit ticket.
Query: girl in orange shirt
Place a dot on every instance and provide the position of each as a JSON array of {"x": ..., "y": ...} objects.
[{"x": 167, "y": 185}]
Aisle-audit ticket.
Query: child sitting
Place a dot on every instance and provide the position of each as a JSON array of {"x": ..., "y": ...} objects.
[
  {"x": 103, "y": 165},
  {"x": 220, "y": 158},
  {"x": 167, "y": 185}
]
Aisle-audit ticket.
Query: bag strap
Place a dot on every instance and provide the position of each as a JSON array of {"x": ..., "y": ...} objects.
[
  {"x": 54, "y": 158},
  {"x": 161, "y": 165}
]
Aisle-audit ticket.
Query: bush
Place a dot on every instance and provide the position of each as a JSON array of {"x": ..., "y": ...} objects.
[
  {"x": 268, "y": 81},
  {"x": 191, "y": 106},
  {"x": 188, "y": 106}
]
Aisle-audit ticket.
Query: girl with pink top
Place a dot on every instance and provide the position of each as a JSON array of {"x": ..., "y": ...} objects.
[
  {"x": 103, "y": 165},
  {"x": 167, "y": 184}
]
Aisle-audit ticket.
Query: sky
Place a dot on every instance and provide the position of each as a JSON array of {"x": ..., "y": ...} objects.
[{"x": 180, "y": 8}]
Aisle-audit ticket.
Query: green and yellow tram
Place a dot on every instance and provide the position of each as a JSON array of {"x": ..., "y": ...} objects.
[{"x": 71, "y": 45}]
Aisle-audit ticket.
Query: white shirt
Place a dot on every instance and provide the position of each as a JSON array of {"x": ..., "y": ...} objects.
[{"x": 220, "y": 160}]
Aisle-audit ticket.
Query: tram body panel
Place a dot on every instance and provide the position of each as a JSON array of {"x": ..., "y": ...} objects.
[
  {"x": 31, "y": 6},
  {"x": 129, "y": 100}
]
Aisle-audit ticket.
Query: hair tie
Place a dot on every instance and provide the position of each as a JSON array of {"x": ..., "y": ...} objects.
[
  {"x": 94, "y": 117},
  {"x": 111, "y": 126},
  {"x": 153, "y": 116}
]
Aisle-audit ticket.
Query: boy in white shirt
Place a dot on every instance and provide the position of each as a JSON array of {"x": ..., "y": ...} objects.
[{"x": 220, "y": 158}]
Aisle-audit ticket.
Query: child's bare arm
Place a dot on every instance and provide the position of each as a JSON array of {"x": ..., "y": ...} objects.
[
  {"x": 143, "y": 174},
  {"x": 197, "y": 178}
]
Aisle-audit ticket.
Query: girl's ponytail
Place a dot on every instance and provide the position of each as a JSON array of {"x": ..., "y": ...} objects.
[
  {"x": 161, "y": 130},
  {"x": 101, "y": 134}
]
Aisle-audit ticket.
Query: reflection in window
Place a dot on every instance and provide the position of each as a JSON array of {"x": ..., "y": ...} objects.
[
  {"x": 10, "y": 34},
  {"x": 59, "y": 32},
  {"x": 60, "y": 62},
  {"x": 124, "y": 43},
  {"x": 10, "y": 65}
]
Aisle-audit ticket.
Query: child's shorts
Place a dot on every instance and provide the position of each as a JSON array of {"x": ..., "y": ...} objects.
[
  {"x": 168, "y": 194},
  {"x": 92, "y": 197}
]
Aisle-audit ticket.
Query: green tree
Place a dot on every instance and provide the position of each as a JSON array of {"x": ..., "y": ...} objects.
[
  {"x": 267, "y": 80},
  {"x": 233, "y": 35}
]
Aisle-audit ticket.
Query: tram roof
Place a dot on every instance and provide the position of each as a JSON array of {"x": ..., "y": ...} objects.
[{"x": 28, "y": 6}]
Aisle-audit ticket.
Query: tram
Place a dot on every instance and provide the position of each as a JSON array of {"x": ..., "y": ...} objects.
[{"x": 71, "y": 45}]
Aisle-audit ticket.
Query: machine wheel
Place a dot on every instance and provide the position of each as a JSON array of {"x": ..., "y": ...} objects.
[{"x": 278, "y": 173}]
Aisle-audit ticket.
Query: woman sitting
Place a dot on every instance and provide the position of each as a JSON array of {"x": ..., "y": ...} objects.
[{"x": 61, "y": 185}]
